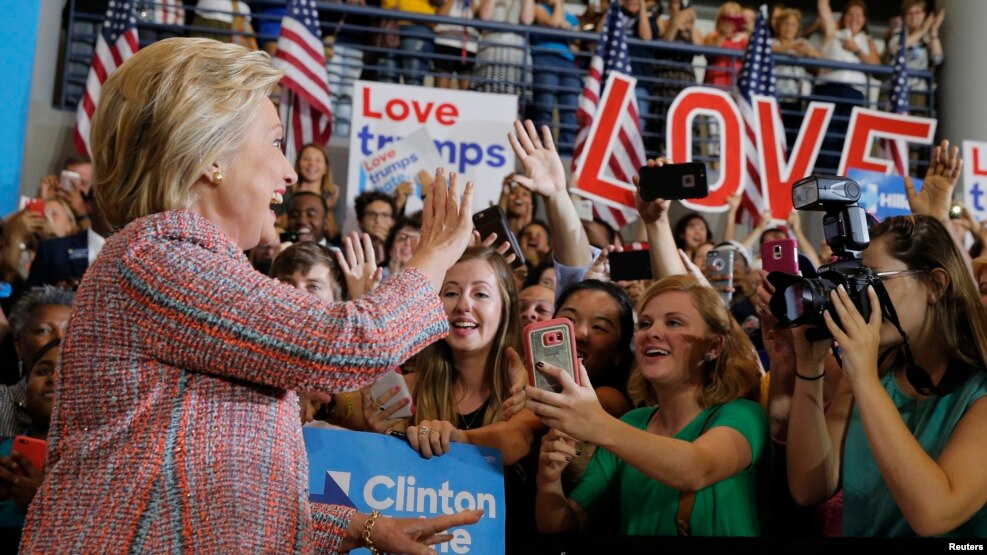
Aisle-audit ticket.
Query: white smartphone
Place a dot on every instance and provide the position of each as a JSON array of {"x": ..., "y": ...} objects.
[
  {"x": 584, "y": 209},
  {"x": 390, "y": 380},
  {"x": 69, "y": 180}
]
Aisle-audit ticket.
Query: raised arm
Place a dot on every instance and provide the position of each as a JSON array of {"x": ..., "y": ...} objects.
[
  {"x": 730, "y": 229},
  {"x": 720, "y": 452},
  {"x": 827, "y": 20},
  {"x": 804, "y": 244},
  {"x": 763, "y": 222},
  {"x": 644, "y": 24},
  {"x": 246, "y": 326},
  {"x": 815, "y": 436},
  {"x": 665, "y": 260},
  {"x": 527, "y": 16},
  {"x": 935, "y": 496},
  {"x": 226, "y": 319},
  {"x": 545, "y": 176}
]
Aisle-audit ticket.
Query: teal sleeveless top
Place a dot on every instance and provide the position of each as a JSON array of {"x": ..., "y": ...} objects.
[{"x": 868, "y": 508}]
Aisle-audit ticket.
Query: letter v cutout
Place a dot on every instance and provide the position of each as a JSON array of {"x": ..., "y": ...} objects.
[{"x": 778, "y": 174}]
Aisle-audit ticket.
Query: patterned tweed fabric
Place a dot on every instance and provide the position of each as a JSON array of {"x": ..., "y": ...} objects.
[{"x": 176, "y": 427}]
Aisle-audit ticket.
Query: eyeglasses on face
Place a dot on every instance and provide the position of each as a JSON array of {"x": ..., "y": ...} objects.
[
  {"x": 897, "y": 273},
  {"x": 371, "y": 215}
]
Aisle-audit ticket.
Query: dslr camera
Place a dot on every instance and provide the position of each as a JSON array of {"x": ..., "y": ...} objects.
[{"x": 799, "y": 300}]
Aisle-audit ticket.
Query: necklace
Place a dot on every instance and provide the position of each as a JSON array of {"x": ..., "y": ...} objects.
[{"x": 469, "y": 420}]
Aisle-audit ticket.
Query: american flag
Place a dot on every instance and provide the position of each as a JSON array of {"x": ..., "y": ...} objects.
[
  {"x": 897, "y": 150},
  {"x": 305, "y": 94},
  {"x": 116, "y": 42},
  {"x": 628, "y": 154},
  {"x": 757, "y": 77}
]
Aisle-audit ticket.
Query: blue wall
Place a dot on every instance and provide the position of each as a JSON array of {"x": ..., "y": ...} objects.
[{"x": 18, "y": 36}]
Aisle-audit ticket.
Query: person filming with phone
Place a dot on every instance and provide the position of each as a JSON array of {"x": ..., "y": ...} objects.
[
  {"x": 19, "y": 477},
  {"x": 177, "y": 424},
  {"x": 684, "y": 464}
]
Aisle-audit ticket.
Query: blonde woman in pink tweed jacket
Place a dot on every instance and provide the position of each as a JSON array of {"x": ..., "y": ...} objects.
[{"x": 176, "y": 422}]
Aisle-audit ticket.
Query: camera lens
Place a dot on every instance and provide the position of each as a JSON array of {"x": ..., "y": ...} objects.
[{"x": 794, "y": 305}]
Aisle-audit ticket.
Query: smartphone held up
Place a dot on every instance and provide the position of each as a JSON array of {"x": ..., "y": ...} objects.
[
  {"x": 34, "y": 450},
  {"x": 69, "y": 180},
  {"x": 551, "y": 342},
  {"x": 494, "y": 220},
  {"x": 674, "y": 181},
  {"x": 719, "y": 269}
]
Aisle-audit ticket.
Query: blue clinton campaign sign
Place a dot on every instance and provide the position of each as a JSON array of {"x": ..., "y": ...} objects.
[
  {"x": 883, "y": 195},
  {"x": 373, "y": 471}
]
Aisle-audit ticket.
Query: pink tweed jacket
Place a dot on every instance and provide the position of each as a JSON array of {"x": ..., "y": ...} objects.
[{"x": 176, "y": 427}]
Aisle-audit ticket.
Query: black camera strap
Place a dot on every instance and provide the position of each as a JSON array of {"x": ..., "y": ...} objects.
[{"x": 955, "y": 375}]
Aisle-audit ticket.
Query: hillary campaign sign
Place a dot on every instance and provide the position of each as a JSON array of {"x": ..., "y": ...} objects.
[
  {"x": 401, "y": 162},
  {"x": 379, "y": 472},
  {"x": 882, "y": 194},
  {"x": 469, "y": 131},
  {"x": 975, "y": 178}
]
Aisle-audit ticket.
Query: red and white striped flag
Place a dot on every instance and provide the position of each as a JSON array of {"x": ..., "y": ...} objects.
[
  {"x": 892, "y": 149},
  {"x": 116, "y": 42},
  {"x": 628, "y": 155},
  {"x": 757, "y": 77},
  {"x": 305, "y": 108}
]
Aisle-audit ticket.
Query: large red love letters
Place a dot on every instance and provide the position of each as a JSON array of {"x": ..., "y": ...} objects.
[{"x": 779, "y": 165}]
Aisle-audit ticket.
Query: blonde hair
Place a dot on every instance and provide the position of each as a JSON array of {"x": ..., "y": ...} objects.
[
  {"x": 734, "y": 374},
  {"x": 783, "y": 16},
  {"x": 725, "y": 7},
  {"x": 432, "y": 392},
  {"x": 327, "y": 185},
  {"x": 67, "y": 208},
  {"x": 172, "y": 110}
]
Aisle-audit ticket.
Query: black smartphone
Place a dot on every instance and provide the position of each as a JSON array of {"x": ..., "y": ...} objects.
[
  {"x": 630, "y": 265},
  {"x": 397, "y": 434},
  {"x": 289, "y": 237},
  {"x": 674, "y": 181},
  {"x": 494, "y": 220}
]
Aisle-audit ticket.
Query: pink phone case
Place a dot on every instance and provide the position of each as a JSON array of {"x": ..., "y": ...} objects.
[
  {"x": 780, "y": 255},
  {"x": 550, "y": 342}
]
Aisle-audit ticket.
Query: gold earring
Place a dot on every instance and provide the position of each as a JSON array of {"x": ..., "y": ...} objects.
[{"x": 217, "y": 177}]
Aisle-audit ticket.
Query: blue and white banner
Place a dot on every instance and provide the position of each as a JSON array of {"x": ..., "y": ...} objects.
[
  {"x": 975, "y": 178},
  {"x": 374, "y": 471},
  {"x": 468, "y": 130},
  {"x": 883, "y": 195}
]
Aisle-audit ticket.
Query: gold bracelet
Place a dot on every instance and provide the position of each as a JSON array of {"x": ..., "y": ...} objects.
[
  {"x": 368, "y": 527},
  {"x": 349, "y": 408}
]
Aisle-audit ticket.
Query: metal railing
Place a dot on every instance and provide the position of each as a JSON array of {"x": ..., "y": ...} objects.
[{"x": 546, "y": 86}]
